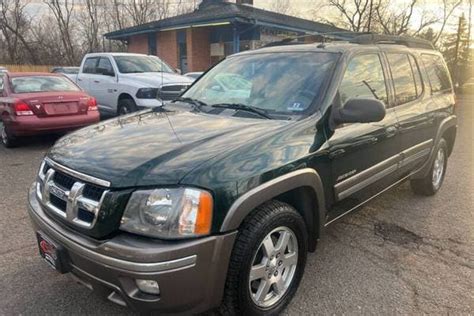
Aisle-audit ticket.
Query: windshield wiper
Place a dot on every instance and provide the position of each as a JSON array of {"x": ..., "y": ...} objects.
[
  {"x": 243, "y": 107},
  {"x": 197, "y": 104}
]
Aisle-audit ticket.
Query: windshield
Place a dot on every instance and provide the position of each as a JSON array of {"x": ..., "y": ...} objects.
[
  {"x": 139, "y": 64},
  {"x": 286, "y": 83},
  {"x": 42, "y": 84}
]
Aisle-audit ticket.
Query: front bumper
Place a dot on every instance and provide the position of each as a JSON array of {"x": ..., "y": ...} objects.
[{"x": 191, "y": 274}]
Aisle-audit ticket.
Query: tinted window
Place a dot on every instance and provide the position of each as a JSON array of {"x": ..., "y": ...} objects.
[
  {"x": 417, "y": 75},
  {"x": 285, "y": 83},
  {"x": 403, "y": 79},
  {"x": 437, "y": 73},
  {"x": 364, "y": 78},
  {"x": 42, "y": 84},
  {"x": 89, "y": 65},
  {"x": 104, "y": 66}
]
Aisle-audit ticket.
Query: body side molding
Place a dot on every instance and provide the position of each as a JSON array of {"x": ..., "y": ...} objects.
[
  {"x": 247, "y": 202},
  {"x": 448, "y": 122}
]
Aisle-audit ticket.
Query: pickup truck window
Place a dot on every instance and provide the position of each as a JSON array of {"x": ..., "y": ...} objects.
[
  {"x": 364, "y": 78},
  {"x": 42, "y": 84},
  {"x": 403, "y": 78},
  {"x": 90, "y": 65},
  {"x": 285, "y": 83},
  {"x": 140, "y": 64},
  {"x": 104, "y": 66}
]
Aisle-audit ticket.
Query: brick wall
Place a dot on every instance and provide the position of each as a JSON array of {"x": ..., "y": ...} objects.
[
  {"x": 168, "y": 47},
  {"x": 138, "y": 44},
  {"x": 198, "y": 49}
]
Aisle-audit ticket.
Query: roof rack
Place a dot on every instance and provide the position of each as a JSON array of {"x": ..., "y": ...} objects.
[
  {"x": 392, "y": 39},
  {"x": 357, "y": 38}
]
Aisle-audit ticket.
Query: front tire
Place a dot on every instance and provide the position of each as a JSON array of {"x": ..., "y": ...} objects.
[
  {"x": 267, "y": 261},
  {"x": 7, "y": 139},
  {"x": 431, "y": 184},
  {"x": 126, "y": 106}
]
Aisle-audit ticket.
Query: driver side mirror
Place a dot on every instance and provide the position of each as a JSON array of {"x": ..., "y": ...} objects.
[
  {"x": 105, "y": 72},
  {"x": 361, "y": 111}
]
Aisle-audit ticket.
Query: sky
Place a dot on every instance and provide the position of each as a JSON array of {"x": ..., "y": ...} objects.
[{"x": 307, "y": 8}]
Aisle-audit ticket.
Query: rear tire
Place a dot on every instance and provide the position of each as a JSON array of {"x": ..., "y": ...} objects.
[
  {"x": 7, "y": 139},
  {"x": 126, "y": 106},
  {"x": 276, "y": 269},
  {"x": 432, "y": 182}
]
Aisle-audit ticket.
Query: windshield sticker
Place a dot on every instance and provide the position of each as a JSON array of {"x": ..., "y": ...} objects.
[{"x": 296, "y": 107}]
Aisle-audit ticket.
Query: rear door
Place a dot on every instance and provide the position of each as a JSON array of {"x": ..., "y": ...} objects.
[
  {"x": 88, "y": 69},
  {"x": 104, "y": 85},
  {"x": 414, "y": 107},
  {"x": 364, "y": 156}
]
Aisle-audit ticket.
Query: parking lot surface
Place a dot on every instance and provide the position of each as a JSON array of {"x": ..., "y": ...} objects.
[{"x": 400, "y": 253}]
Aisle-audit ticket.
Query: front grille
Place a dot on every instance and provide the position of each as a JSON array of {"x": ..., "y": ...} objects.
[
  {"x": 171, "y": 92},
  {"x": 73, "y": 199}
]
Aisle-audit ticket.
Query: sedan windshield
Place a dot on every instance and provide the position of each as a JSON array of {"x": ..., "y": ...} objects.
[
  {"x": 30, "y": 84},
  {"x": 285, "y": 83},
  {"x": 140, "y": 64}
]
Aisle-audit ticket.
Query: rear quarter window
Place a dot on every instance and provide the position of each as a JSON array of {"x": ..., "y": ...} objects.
[{"x": 438, "y": 74}]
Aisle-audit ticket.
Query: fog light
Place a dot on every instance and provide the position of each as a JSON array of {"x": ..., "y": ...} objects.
[{"x": 148, "y": 286}]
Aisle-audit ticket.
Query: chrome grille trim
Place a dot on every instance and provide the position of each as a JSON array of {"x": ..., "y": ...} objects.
[
  {"x": 74, "y": 199},
  {"x": 78, "y": 175}
]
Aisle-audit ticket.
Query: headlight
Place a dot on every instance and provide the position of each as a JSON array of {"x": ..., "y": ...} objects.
[
  {"x": 169, "y": 213},
  {"x": 147, "y": 93}
]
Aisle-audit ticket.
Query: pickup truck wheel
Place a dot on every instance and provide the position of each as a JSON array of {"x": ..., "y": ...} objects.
[
  {"x": 126, "y": 106},
  {"x": 267, "y": 261},
  {"x": 430, "y": 184},
  {"x": 8, "y": 140}
]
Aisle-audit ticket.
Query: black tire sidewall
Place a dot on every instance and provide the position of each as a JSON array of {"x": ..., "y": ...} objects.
[
  {"x": 10, "y": 141},
  {"x": 286, "y": 217},
  {"x": 129, "y": 104}
]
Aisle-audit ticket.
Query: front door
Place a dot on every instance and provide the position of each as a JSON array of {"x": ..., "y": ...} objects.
[
  {"x": 104, "y": 86},
  {"x": 364, "y": 156}
]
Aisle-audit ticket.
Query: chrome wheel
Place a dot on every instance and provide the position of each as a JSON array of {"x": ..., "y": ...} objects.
[
  {"x": 273, "y": 267},
  {"x": 438, "y": 169}
]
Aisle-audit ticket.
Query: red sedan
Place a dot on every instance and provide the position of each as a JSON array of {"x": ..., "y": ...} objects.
[{"x": 35, "y": 103}]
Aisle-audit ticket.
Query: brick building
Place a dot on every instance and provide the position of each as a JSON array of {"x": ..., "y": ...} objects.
[{"x": 217, "y": 28}]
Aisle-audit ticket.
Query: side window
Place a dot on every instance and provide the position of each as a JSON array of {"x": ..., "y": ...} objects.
[
  {"x": 105, "y": 67},
  {"x": 364, "y": 78},
  {"x": 437, "y": 73},
  {"x": 417, "y": 75},
  {"x": 90, "y": 65},
  {"x": 1, "y": 83},
  {"x": 403, "y": 78}
]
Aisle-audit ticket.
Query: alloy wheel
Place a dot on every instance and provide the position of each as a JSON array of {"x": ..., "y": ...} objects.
[
  {"x": 273, "y": 267},
  {"x": 438, "y": 168}
]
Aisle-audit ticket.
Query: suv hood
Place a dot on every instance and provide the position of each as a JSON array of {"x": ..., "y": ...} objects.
[
  {"x": 155, "y": 79},
  {"x": 155, "y": 148}
]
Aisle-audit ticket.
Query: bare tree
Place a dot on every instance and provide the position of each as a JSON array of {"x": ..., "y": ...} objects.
[
  {"x": 63, "y": 12},
  {"x": 448, "y": 8},
  {"x": 354, "y": 14},
  {"x": 281, "y": 6},
  {"x": 14, "y": 24}
]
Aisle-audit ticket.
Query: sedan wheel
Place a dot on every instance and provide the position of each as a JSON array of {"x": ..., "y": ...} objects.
[{"x": 7, "y": 140}]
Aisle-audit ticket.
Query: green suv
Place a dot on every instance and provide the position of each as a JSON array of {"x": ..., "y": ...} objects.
[{"x": 214, "y": 200}]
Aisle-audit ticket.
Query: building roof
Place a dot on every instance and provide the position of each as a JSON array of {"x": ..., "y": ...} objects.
[{"x": 214, "y": 12}]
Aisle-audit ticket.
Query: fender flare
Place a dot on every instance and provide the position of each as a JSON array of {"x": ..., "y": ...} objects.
[
  {"x": 448, "y": 122},
  {"x": 247, "y": 202}
]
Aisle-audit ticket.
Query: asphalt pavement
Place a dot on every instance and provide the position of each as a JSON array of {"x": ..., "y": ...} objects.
[{"x": 399, "y": 254}]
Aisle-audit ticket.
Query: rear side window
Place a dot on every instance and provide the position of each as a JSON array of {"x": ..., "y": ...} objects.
[
  {"x": 90, "y": 65},
  {"x": 416, "y": 75},
  {"x": 437, "y": 73},
  {"x": 364, "y": 78},
  {"x": 403, "y": 78}
]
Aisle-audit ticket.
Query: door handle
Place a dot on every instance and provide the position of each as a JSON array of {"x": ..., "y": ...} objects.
[
  {"x": 96, "y": 81},
  {"x": 391, "y": 131},
  {"x": 79, "y": 79}
]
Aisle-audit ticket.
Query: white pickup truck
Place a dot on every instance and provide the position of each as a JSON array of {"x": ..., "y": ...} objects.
[{"x": 124, "y": 82}]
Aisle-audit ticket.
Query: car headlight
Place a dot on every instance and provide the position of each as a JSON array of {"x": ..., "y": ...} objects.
[
  {"x": 147, "y": 93},
  {"x": 169, "y": 213}
]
